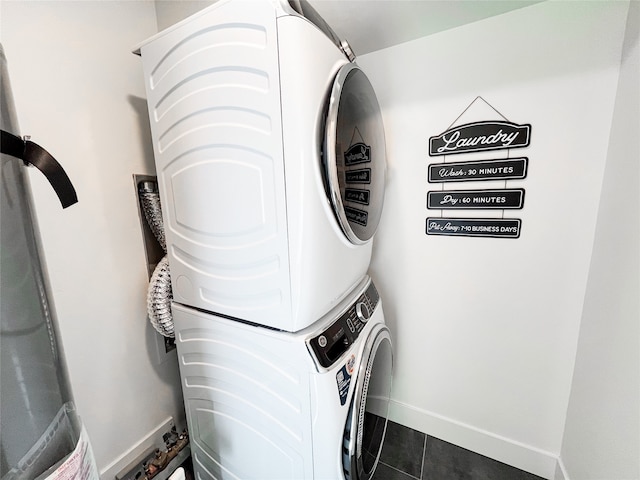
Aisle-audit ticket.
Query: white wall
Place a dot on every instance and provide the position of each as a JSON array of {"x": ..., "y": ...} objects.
[
  {"x": 486, "y": 329},
  {"x": 601, "y": 439},
  {"x": 171, "y": 12},
  {"x": 79, "y": 92}
]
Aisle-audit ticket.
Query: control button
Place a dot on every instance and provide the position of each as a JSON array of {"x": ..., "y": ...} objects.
[
  {"x": 322, "y": 341},
  {"x": 362, "y": 310},
  {"x": 350, "y": 325}
]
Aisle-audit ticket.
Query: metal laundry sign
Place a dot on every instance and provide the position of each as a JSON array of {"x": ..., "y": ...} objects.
[
  {"x": 501, "y": 199},
  {"x": 509, "y": 169},
  {"x": 480, "y": 136},
  {"x": 474, "y": 227}
]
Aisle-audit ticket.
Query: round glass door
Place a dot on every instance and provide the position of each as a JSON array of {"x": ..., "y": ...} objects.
[
  {"x": 355, "y": 155},
  {"x": 367, "y": 421}
]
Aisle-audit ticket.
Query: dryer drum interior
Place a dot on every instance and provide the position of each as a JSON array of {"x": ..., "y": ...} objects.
[
  {"x": 367, "y": 420},
  {"x": 354, "y": 154}
]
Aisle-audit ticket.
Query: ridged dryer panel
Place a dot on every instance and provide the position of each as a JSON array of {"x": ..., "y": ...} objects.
[
  {"x": 270, "y": 156},
  {"x": 246, "y": 392},
  {"x": 214, "y": 103}
]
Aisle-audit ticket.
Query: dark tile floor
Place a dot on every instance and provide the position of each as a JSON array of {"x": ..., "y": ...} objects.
[{"x": 410, "y": 455}]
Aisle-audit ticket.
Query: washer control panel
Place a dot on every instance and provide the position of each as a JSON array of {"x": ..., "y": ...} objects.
[{"x": 331, "y": 343}]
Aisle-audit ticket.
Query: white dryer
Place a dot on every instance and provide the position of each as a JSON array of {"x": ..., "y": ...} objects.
[
  {"x": 270, "y": 155},
  {"x": 268, "y": 405}
]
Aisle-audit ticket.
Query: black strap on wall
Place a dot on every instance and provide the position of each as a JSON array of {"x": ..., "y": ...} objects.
[{"x": 33, "y": 154}]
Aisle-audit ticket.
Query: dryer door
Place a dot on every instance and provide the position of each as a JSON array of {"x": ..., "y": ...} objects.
[
  {"x": 354, "y": 154},
  {"x": 367, "y": 420}
]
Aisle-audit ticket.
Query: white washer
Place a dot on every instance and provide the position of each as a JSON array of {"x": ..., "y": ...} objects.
[
  {"x": 270, "y": 155},
  {"x": 269, "y": 405}
]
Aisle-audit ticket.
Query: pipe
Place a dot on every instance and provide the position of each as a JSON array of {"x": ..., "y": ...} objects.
[
  {"x": 159, "y": 293},
  {"x": 159, "y": 297},
  {"x": 150, "y": 199}
]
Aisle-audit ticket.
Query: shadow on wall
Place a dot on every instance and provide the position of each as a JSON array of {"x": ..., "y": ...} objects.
[
  {"x": 139, "y": 105},
  {"x": 549, "y": 35},
  {"x": 169, "y": 13}
]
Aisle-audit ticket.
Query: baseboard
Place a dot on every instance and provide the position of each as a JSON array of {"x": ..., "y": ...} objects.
[
  {"x": 561, "y": 471},
  {"x": 153, "y": 438},
  {"x": 505, "y": 450}
]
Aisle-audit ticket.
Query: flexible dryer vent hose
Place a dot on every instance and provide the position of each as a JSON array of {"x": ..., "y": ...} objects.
[
  {"x": 159, "y": 294},
  {"x": 152, "y": 211},
  {"x": 159, "y": 297}
]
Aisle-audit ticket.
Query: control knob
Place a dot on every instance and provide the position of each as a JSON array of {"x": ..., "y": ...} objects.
[{"x": 363, "y": 312}]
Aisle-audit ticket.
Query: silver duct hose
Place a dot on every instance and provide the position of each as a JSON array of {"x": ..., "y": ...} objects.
[
  {"x": 159, "y": 294},
  {"x": 159, "y": 297},
  {"x": 152, "y": 211}
]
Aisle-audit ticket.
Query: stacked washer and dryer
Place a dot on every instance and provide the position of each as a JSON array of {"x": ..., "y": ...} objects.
[{"x": 270, "y": 156}]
